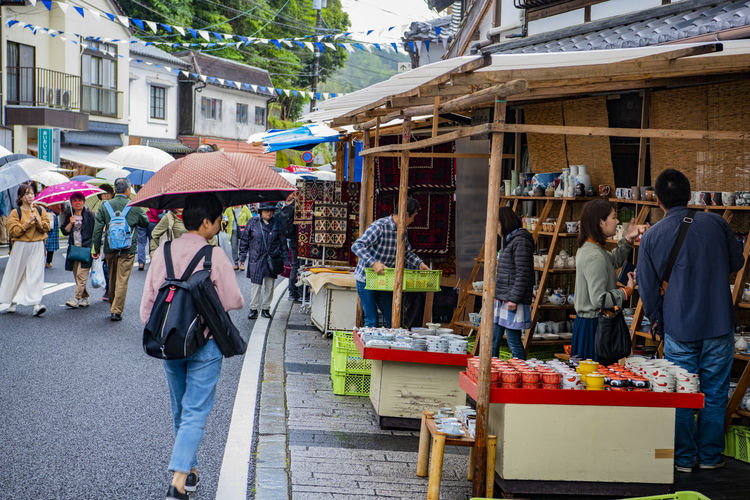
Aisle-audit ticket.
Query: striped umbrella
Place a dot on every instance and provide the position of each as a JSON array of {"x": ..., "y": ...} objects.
[{"x": 236, "y": 178}]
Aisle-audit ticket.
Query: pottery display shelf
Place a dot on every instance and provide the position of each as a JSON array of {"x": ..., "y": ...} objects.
[
  {"x": 404, "y": 383},
  {"x": 583, "y": 442}
]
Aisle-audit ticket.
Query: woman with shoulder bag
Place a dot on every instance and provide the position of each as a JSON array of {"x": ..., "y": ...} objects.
[
  {"x": 23, "y": 281},
  {"x": 514, "y": 284},
  {"x": 596, "y": 278},
  {"x": 78, "y": 226}
]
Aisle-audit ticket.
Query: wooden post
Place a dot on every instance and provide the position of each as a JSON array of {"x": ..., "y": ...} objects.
[
  {"x": 364, "y": 203},
  {"x": 643, "y": 143},
  {"x": 488, "y": 304},
  {"x": 436, "y": 466},
  {"x": 403, "y": 193},
  {"x": 435, "y": 116},
  {"x": 352, "y": 158},
  {"x": 491, "y": 451},
  {"x": 517, "y": 157},
  {"x": 423, "y": 457},
  {"x": 470, "y": 475},
  {"x": 340, "y": 160}
]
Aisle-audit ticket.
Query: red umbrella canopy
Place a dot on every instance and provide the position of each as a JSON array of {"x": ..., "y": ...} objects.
[{"x": 236, "y": 178}]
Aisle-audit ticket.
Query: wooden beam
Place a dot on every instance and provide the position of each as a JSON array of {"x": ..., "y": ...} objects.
[
  {"x": 643, "y": 143},
  {"x": 698, "y": 50},
  {"x": 471, "y": 21},
  {"x": 488, "y": 301},
  {"x": 485, "y": 97},
  {"x": 442, "y": 138},
  {"x": 626, "y": 132},
  {"x": 435, "y": 117},
  {"x": 403, "y": 194},
  {"x": 439, "y": 155},
  {"x": 517, "y": 144}
]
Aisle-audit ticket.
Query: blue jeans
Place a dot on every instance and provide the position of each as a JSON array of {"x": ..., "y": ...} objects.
[
  {"x": 513, "y": 337},
  {"x": 144, "y": 235},
  {"x": 192, "y": 389},
  {"x": 712, "y": 360},
  {"x": 372, "y": 300}
]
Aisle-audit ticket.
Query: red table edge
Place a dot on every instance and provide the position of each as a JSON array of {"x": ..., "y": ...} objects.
[
  {"x": 584, "y": 398},
  {"x": 423, "y": 357}
]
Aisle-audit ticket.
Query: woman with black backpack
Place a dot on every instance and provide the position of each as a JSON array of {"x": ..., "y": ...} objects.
[{"x": 192, "y": 380}]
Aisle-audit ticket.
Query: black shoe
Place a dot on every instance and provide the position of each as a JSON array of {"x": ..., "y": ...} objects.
[
  {"x": 174, "y": 494},
  {"x": 115, "y": 317},
  {"x": 253, "y": 314},
  {"x": 266, "y": 313},
  {"x": 191, "y": 483},
  {"x": 141, "y": 267}
]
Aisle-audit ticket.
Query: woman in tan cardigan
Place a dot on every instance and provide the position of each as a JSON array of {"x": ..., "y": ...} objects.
[{"x": 23, "y": 281}]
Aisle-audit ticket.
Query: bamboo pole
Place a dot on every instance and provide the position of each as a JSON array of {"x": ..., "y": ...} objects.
[
  {"x": 488, "y": 303},
  {"x": 403, "y": 193}
]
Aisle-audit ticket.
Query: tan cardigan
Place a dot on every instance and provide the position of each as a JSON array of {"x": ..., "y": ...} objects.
[{"x": 19, "y": 229}]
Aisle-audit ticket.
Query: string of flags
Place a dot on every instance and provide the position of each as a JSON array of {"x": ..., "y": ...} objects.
[
  {"x": 90, "y": 43},
  {"x": 319, "y": 41}
]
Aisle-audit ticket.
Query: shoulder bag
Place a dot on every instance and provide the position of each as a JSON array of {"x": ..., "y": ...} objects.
[{"x": 612, "y": 340}]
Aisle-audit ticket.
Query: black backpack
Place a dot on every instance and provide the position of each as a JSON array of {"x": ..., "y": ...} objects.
[{"x": 175, "y": 327}]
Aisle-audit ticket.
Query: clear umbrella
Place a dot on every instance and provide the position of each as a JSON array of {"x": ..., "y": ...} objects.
[
  {"x": 22, "y": 170},
  {"x": 50, "y": 178},
  {"x": 140, "y": 157},
  {"x": 110, "y": 174}
]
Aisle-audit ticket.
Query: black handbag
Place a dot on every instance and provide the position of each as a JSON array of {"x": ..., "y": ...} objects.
[
  {"x": 612, "y": 341},
  {"x": 79, "y": 254}
]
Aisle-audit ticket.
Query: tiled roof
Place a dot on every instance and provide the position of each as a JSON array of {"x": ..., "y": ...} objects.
[
  {"x": 667, "y": 23},
  {"x": 225, "y": 68},
  {"x": 425, "y": 30},
  {"x": 153, "y": 52}
]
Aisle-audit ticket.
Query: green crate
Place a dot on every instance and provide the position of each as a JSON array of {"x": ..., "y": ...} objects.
[
  {"x": 742, "y": 443},
  {"x": 730, "y": 441},
  {"x": 414, "y": 280},
  {"x": 679, "y": 495},
  {"x": 345, "y": 357},
  {"x": 351, "y": 384}
]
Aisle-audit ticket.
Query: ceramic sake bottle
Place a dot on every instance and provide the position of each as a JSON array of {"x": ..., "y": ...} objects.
[{"x": 583, "y": 177}]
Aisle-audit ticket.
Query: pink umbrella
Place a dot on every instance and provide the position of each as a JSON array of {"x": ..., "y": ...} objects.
[{"x": 60, "y": 193}]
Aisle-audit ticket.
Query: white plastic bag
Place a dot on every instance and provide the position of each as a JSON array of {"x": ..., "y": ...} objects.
[{"x": 97, "y": 273}]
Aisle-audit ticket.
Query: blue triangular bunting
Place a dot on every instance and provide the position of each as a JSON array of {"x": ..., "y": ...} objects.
[
  {"x": 319, "y": 46},
  {"x": 166, "y": 27},
  {"x": 276, "y": 42},
  {"x": 438, "y": 30},
  {"x": 193, "y": 32},
  {"x": 12, "y": 22},
  {"x": 281, "y": 92},
  {"x": 110, "y": 16},
  {"x": 138, "y": 22},
  {"x": 359, "y": 46},
  {"x": 217, "y": 35},
  {"x": 48, "y": 4},
  {"x": 427, "y": 45},
  {"x": 395, "y": 46},
  {"x": 79, "y": 10}
]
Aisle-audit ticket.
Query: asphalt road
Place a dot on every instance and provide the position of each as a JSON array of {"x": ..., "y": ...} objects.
[{"x": 84, "y": 413}]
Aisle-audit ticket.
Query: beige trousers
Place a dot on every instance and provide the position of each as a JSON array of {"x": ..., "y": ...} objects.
[
  {"x": 81, "y": 276},
  {"x": 257, "y": 290},
  {"x": 120, "y": 267},
  {"x": 3, "y": 230}
]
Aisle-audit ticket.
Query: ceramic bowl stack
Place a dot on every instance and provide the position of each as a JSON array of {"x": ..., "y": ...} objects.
[
  {"x": 419, "y": 343},
  {"x": 437, "y": 344},
  {"x": 663, "y": 375},
  {"x": 422, "y": 331},
  {"x": 457, "y": 346}
]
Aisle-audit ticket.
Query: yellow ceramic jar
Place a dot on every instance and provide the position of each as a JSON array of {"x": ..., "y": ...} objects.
[{"x": 595, "y": 382}]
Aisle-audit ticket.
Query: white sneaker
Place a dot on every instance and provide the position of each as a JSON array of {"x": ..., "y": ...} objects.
[
  {"x": 83, "y": 303},
  {"x": 39, "y": 309},
  {"x": 73, "y": 303},
  {"x": 11, "y": 308}
]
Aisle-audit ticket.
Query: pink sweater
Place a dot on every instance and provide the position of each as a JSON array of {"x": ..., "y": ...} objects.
[{"x": 184, "y": 249}]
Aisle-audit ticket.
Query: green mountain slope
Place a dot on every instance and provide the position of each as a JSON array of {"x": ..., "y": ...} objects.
[{"x": 363, "y": 69}]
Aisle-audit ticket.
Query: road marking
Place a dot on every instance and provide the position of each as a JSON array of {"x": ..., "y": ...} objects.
[
  {"x": 236, "y": 462},
  {"x": 48, "y": 290}
]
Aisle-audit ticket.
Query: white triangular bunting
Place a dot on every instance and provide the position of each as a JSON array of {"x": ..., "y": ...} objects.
[
  {"x": 348, "y": 47},
  {"x": 329, "y": 45},
  {"x": 204, "y": 34},
  {"x": 32, "y": 2},
  {"x": 287, "y": 92},
  {"x": 220, "y": 80},
  {"x": 94, "y": 14},
  {"x": 124, "y": 20},
  {"x": 202, "y": 78},
  {"x": 287, "y": 43},
  {"x": 185, "y": 73},
  {"x": 167, "y": 68},
  {"x": 310, "y": 46},
  {"x": 152, "y": 25},
  {"x": 180, "y": 30},
  {"x": 63, "y": 7},
  {"x": 254, "y": 87},
  {"x": 228, "y": 36}
]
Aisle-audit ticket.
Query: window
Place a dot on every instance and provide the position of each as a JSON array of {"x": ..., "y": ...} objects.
[
  {"x": 158, "y": 103},
  {"x": 260, "y": 116},
  {"x": 241, "y": 113},
  {"x": 21, "y": 73},
  {"x": 210, "y": 108},
  {"x": 99, "y": 79}
]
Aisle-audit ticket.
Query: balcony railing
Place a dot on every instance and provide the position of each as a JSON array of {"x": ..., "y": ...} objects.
[
  {"x": 101, "y": 101},
  {"x": 532, "y": 4},
  {"x": 30, "y": 86}
]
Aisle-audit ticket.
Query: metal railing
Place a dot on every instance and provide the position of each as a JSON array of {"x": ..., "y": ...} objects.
[
  {"x": 101, "y": 101},
  {"x": 30, "y": 86},
  {"x": 531, "y": 4}
]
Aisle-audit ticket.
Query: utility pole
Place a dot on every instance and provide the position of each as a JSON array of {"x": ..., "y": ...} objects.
[{"x": 317, "y": 5}]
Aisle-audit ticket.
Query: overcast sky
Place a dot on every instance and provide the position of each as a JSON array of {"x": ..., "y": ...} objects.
[{"x": 378, "y": 14}]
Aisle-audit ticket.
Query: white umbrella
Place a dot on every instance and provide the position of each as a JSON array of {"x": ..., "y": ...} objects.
[
  {"x": 290, "y": 177},
  {"x": 5, "y": 151},
  {"x": 110, "y": 174},
  {"x": 49, "y": 178},
  {"x": 324, "y": 176},
  {"x": 140, "y": 157}
]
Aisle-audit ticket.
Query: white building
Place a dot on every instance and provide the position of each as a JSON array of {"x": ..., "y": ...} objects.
[
  {"x": 153, "y": 96},
  {"x": 52, "y": 82},
  {"x": 213, "y": 110}
]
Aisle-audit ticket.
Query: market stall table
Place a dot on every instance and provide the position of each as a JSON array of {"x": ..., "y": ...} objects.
[
  {"x": 583, "y": 442},
  {"x": 405, "y": 383},
  {"x": 333, "y": 302}
]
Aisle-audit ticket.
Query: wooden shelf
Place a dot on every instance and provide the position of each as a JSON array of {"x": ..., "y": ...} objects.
[
  {"x": 561, "y": 235},
  {"x": 547, "y": 198},
  {"x": 466, "y": 324},
  {"x": 614, "y": 242},
  {"x": 553, "y": 306},
  {"x": 542, "y": 342},
  {"x": 695, "y": 207},
  {"x": 743, "y": 305},
  {"x": 742, "y": 413},
  {"x": 645, "y": 335},
  {"x": 557, "y": 271},
  {"x": 474, "y": 292}
]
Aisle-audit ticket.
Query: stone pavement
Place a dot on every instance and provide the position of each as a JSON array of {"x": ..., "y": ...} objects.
[{"x": 314, "y": 444}]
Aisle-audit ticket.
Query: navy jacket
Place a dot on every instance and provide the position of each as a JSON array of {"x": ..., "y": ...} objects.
[
  {"x": 697, "y": 304},
  {"x": 515, "y": 268},
  {"x": 257, "y": 241},
  {"x": 87, "y": 231}
]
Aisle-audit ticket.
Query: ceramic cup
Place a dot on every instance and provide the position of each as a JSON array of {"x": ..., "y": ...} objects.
[
  {"x": 604, "y": 190},
  {"x": 649, "y": 194},
  {"x": 571, "y": 226},
  {"x": 635, "y": 193},
  {"x": 541, "y": 327},
  {"x": 627, "y": 193},
  {"x": 642, "y": 190},
  {"x": 716, "y": 199},
  {"x": 618, "y": 193},
  {"x": 728, "y": 198}
]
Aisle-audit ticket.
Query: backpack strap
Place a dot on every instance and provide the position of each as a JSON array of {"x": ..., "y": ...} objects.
[
  {"x": 208, "y": 250},
  {"x": 684, "y": 226},
  {"x": 204, "y": 252},
  {"x": 124, "y": 213},
  {"x": 109, "y": 209},
  {"x": 168, "y": 260}
]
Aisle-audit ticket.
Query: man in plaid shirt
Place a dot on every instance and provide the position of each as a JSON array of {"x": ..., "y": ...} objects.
[{"x": 376, "y": 248}]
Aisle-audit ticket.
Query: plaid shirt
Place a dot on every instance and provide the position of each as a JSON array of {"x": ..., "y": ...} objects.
[{"x": 378, "y": 243}]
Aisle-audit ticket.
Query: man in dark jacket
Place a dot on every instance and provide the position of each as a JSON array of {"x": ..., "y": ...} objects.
[
  {"x": 263, "y": 245},
  {"x": 289, "y": 230},
  {"x": 119, "y": 263}
]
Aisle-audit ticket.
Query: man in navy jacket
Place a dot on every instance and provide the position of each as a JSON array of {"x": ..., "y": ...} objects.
[{"x": 696, "y": 312}]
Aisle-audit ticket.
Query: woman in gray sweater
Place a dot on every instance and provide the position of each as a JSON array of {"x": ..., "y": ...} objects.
[{"x": 596, "y": 279}]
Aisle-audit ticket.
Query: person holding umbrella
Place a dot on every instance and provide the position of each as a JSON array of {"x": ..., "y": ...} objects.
[
  {"x": 266, "y": 245},
  {"x": 23, "y": 281},
  {"x": 78, "y": 226}
]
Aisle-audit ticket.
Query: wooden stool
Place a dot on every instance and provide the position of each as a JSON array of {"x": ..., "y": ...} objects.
[{"x": 439, "y": 440}]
